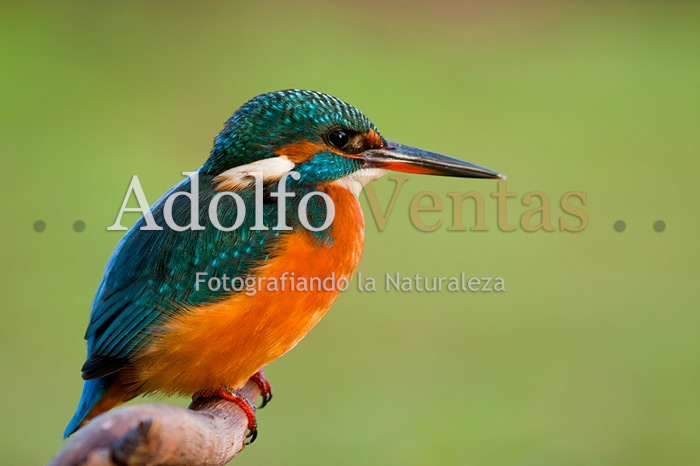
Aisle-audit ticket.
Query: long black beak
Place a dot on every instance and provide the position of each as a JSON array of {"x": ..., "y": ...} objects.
[{"x": 403, "y": 158}]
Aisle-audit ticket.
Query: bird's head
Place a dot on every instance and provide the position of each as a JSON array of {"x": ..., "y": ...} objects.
[{"x": 322, "y": 138}]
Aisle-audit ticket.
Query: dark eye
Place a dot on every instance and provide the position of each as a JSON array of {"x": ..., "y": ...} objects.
[{"x": 338, "y": 138}]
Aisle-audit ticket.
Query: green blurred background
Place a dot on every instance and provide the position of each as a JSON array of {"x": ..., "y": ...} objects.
[{"x": 591, "y": 356}]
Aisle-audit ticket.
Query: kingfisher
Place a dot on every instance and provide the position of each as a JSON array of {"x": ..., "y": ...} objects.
[{"x": 153, "y": 327}]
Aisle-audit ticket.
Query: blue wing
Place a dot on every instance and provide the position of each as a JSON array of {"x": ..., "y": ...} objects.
[{"x": 151, "y": 274}]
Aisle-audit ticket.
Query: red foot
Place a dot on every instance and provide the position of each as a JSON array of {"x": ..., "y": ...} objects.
[
  {"x": 247, "y": 407},
  {"x": 265, "y": 387}
]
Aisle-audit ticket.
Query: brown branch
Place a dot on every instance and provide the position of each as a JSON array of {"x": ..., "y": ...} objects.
[{"x": 210, "y": 432}]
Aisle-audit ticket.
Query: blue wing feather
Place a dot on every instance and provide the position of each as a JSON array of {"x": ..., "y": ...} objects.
[{"x": 151, "y": 274}]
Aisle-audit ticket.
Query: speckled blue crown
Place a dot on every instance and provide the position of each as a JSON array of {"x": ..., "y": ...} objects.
[{"x": 276, "y": 119}]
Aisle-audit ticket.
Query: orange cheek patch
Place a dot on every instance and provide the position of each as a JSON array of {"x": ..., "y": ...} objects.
[{"x": 302, "y": 150}]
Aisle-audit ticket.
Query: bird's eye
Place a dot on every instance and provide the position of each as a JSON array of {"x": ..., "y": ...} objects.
[{"x": 338, "y": 138}]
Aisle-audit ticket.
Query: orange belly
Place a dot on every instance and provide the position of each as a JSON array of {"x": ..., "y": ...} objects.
[{"x": 222, "y": 344}]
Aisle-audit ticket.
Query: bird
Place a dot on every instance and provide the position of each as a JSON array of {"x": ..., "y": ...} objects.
[{"x": 155, "y": 329}]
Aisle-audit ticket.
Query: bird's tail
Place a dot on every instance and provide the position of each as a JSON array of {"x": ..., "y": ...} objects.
[{"x": 99, "y": 395}]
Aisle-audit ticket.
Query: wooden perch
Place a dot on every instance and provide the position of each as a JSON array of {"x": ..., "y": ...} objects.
[{"x": 210, "y": 432}]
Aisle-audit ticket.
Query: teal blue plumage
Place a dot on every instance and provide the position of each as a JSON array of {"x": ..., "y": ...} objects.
[{"x": 151, "y": 273}]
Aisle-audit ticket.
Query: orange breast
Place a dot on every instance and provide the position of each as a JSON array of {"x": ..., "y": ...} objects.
[{"x": 224, "y": 343}]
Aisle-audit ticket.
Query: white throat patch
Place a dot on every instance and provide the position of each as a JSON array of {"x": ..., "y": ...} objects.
[
  {"x": 354, "y": 182},
  {"x": 235, "y": 178}
]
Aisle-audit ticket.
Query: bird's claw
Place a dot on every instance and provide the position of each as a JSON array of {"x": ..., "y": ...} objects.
[{"x": 265, "y": 387}]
